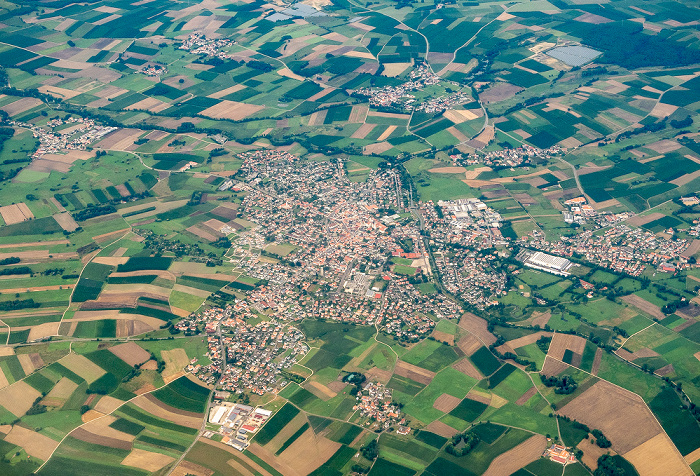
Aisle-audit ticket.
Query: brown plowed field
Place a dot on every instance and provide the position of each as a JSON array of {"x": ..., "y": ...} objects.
[
  {"x": 477, "y": 326},
  {"x": 467, "y": 368},
  {"x": 108, "y": 404},
  {"x": 88, "y": 437},
  {"x": 596, "y": 361},
  {"x": 186, "y": 468},
  {"x": 512, "y": 460},
  {"x": 526, "y": 396},
  {"x": 131, "y": 353},
  {"x": 444, "y": 337},
  {"x": 621, "y": 415},
  {"x": 404, "y": 369},
  {"x": 553, "y": 367},
  {"x": 644, "y": 305},
  {"x": 439, "y": 428},
  {"x": 527, "y": 340},
  {"x": 446, "y": 403},
  {"x": 469, "y": 344},
  {"x": 562, "y": 342}
]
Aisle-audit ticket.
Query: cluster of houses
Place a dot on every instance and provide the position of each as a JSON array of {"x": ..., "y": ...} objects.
[
  {"x": 74, "y": 133},
  {"x": 400, "y": 96},
  {"x": 197, "y": 43},
  {"x": 153, "y": 70},
  {"x": 620, "y": 248},
  {"x": 458, "y": 235},
  {"x": 521, "y": 156},
  {"x": 256, "y": 354},
  {"x": 376, "y": 404}
]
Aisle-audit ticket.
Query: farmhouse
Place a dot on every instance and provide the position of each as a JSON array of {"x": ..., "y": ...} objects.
[{"x": 559, "y": 454}]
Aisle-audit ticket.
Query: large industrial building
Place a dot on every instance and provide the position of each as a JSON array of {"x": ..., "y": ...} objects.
[{"x": 544, "y": 262}]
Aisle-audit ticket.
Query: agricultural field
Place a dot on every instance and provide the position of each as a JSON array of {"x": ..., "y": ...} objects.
[{"x": 395, "y": 237}]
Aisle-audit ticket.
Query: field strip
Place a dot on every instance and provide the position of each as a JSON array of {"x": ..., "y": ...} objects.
[
  {"x": 629, "y": 391},
  {"x": 206, "y": 415}
]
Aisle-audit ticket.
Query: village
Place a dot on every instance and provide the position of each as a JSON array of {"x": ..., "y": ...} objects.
[
  {"x": 73, "y": 133},
  {"x": 400, "y": 96}
]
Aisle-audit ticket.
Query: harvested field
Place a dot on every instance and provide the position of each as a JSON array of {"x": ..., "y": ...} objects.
[
  {"x": 239, "y": 456},
  {"x": 467, "y": 368},
  {"x": 657, "y": 456},
  {"x": 111, "y": 260},
  {"x": 418, "y": 374},
  {"x": 512, "y": 460},
  {"x": 147, "y": 460},
  {"x": 43, "y": 330},
  {"x": 621, "y": 415},
  {"x": 85, "y": 368},
  {"x": 227, "y": 91},
  {"x": 30, "y": 362},
  {"x": 527, "y": 340},
  {"x": 563, "y": 342},
  {"x": 154, "y": 406},
  {"x": 62, "y": 390},
  {"x": 91, "y": 415},
  {"x": 66, "y": 221},
  {"x": 640, "y": 220},
  {"x": 440, "y": 428},
  {"x": 460, "y": 115},
  {"x": 175, "y": 361},
  {"x": 82, "y": 434},
  {"x": 447, "y": 170},
  {"x": 446, "y": 403},
  {"x": 377, "y": 148},
  {"x": 108, "y": 404},
  {"x": 469, "y": 344},
  {"x": 186, "y": 468},
  {"x": 15, "y": 213},
  {"x": 131, "y": 353},
  {"x": 385, "y": 135},
  {"x": 691, "y": 458},
  {"x": 477, "y": 326},
  {"x": 35, "y": 444},
  {"x": 644, "y": 305},
  {"x": 320, "y": 390},
  {"x": 591, "y": 452},
  {"x": 444, "y": 337},
  {"x": 526, "y": 396},
  {"x": 288, "y": 430},
  {"x": 664, "y": 146},
  {"x": 231, "y": 110},
  {"x": 18, "y": 398},
  {"x": 479, "y": 396},
  {"x": 362, "y": 132}
]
